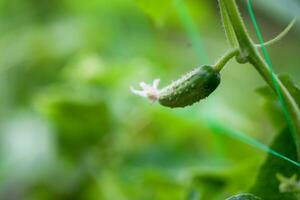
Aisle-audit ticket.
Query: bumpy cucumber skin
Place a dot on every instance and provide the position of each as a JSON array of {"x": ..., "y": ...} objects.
[{"x": 191, "y": 88}]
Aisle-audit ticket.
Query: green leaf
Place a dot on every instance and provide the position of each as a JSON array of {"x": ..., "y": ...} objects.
[
  {"x": 227, "y": 25},
  {"x": 267, "y": 185},
  {"x": 244, "y": 197},
  {"x": 210, "y": 184},
  {"x": 294, "y": 90},
  {"x": 80, "y": 118},
  {"x": 156, "y": 9},
  {"x": 272, "y": 105}
]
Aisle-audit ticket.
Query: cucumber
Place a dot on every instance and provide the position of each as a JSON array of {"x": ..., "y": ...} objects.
[{"x": 190, "y": 88}]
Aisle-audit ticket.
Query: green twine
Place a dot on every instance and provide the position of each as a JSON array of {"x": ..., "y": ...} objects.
[{"x": 221, "y": 129}]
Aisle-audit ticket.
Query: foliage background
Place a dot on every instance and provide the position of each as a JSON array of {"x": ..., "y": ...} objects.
[{"x": 71, "y": 129}]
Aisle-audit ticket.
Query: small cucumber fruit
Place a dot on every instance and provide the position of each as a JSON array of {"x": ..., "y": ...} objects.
[{"x": 190, "y": 88}]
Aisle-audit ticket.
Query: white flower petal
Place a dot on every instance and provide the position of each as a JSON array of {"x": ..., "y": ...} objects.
[
  {"x": 148, "y": 91},
  {"x": 155, "y": 83},
  {"x": 143, "y": 85},
  {"x": 141, "y": 93}
]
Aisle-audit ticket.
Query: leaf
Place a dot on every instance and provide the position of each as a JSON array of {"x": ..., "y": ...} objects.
[
  {"x": 80, "y": 118},
  {"x": 156, "y": 9},
  {"x": 267, "y": 185},
  {"x": 244, "y": 197},
  {"x": 294, "y": 90},
  {"x": 210, "y": 184},
  {"x": 193, "y": 194},
  {"x": 272, "y": 105}
]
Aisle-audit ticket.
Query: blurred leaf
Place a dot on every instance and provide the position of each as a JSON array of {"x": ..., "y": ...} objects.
[
  {"x": 267, "y": 185},
  {"x": 210, "y": 186},
  {"x": 156, "y": 9},
  {"x": 272, "y": 105},
  {"x": 266, "y": 91},
  {"x": 244, "y": 197},
  {"x": 292, "y": 88},
  {"x": 193, "y": 194},
  {"x": 80, "y": 117}
]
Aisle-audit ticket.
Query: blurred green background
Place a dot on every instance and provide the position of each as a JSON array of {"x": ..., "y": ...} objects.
[{"x": 71, "y": 129}]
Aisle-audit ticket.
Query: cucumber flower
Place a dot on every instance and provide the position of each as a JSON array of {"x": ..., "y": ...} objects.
[{"x": 149, "y": 91}]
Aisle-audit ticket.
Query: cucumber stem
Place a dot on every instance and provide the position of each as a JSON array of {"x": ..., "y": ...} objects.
[{"x": 225, "y": 58}]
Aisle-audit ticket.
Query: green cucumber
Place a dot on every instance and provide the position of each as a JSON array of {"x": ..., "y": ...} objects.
[{"x": 190, "y": 88}]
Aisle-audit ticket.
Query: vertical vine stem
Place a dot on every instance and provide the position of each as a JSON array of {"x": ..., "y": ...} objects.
[{"x": 251, "y": 55}]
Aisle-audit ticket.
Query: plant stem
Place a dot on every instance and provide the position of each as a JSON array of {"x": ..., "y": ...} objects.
[
  {"x": 243, "y": 38},
  {"x": 247, "y": 48},
  {"x": 229, "y": 32},
  {"x": 225, "y": 58}
]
